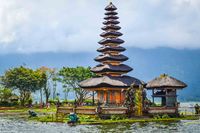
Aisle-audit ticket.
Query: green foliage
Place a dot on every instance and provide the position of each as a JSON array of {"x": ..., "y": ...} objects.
[
  {"x": 49, "y": 79},
  {"x": 157, "y": 116},
  {"x": 133, "y": 100},
  {"x": 88, "y": 101},
  {"x": 165, "y": 116},
  {"x": 161, "y": 116},
  {"x": 130, "y": 99},
  {"x": 53, "y": 102},
  {"x": 118, "y": 117},
  {"x": 25, "y": 80},
  {"x": 7, "y": 98},
  {"x": 70, "y": 78},
  {"x": 5, "y": 94},
  {"x": 86, "y": 118}
]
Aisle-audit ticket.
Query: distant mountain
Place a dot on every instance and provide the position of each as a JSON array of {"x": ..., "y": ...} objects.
[{"x": 147, "y": 63}]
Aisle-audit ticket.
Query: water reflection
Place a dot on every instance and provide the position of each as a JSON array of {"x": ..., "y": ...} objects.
[{"x": 22, "y": 126}]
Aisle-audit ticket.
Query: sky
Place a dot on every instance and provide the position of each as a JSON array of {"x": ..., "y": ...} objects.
[{"x": 32, "y": 26}]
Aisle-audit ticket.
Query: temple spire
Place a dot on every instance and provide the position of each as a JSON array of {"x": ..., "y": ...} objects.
[{"x": 110, "y": 70}]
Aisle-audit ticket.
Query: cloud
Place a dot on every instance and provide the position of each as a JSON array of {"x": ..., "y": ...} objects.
[{"x": 28, "y": 26}]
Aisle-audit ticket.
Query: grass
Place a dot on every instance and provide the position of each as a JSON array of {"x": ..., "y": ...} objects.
[
  {"x": 48, "y": 115},
  {"x": 94, "y": 120},
  {"x": 25, "y": 110},
  {"x": 138, "y": 120}
]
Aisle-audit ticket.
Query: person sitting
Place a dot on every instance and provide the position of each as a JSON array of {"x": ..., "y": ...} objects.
[
  {"x": 73, "y": 118},
  {"x": 32, "y": 113}
]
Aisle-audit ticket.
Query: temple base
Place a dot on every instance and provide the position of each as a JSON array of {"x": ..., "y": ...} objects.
[{"x": 111, "y": 97}]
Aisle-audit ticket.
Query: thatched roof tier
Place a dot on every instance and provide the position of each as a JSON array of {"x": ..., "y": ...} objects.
[
  {"x": 106, "y": 48},
  {"x": 111, "y": 13},
  {"x": 109, "y": 81},
  {"x": 111, "y": 22},
  {"x": 111, "y": 27},
  {"x": 111, "y": 40},
  {"x": 111, "y": 68},
  {"x": 165, "y": 81},
  {"x": 111, "y": 17},
  {"x": 107, "y": 57},
  {"x": 111, "y": 33},
  {"x": 110, "y": 7}
]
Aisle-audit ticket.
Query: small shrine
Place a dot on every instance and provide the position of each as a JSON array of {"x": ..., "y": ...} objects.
[{"x": 165, "y": 88}]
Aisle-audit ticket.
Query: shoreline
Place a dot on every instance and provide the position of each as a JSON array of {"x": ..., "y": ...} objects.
[{"x": 49, "y": 115}]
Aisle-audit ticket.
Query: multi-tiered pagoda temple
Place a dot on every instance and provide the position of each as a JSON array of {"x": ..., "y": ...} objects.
[{"x": 111, "y": 82}]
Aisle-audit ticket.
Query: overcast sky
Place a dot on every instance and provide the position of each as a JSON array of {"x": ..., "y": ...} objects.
[{"x": 29, "y": 26}]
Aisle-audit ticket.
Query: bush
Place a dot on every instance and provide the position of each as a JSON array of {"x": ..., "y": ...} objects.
[
  {"x": 161, "y": 116},
  {"x": 8, "y": 104},
  {"x": 88, "y": 102},
  {"x": 118, "y": 117},
  {"x": 52, "y": 102},
  {"x": 165, "y": 116},
  {"x": 85, "y": 118},
  {"x": 68, "y": 101},
  {"x": 156, "y": 116}
]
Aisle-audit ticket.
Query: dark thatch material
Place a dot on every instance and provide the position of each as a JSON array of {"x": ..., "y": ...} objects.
[
  {"x": 111, "y": 22},
  {"x": 107, "y": 48},
  {"x": 111, "y": 17},
  {"x": 111, "y": 27},
  {"x": 111, "y": 40},
  {"x": 111, "y": 33},
  {"x": 111, "y": 13},
  {"x": 108, "y": 57},
  {"x": 108, "y": 81},
  {"x": 111, "y": 81},
  {"x": 165, "y": 81},
  {"x": 110, "y": 7},
  {"x": 111, "y": 68}
]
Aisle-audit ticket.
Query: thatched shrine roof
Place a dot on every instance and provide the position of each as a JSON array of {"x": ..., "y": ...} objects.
[
  {"x": 111, "y": 33},
  {"x": 111, "y": 68},
  {"x": 165, "y": 81},
  {"x": 111, "y": 17},
  {"x": 108, "y": 57},
  {"x": 110, "y": 81},
  {"x": 111, "y": 22},
  {"x": 106, "y": 48},
  {"x": 111, "y": 13},
  {"x": 110, "y": 7},
  {"x": 111, "y": 40},
  {"x": 111, "y": 27}
]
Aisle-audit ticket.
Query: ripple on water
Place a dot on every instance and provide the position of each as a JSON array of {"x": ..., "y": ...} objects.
[{"x": 21, "y": 126}]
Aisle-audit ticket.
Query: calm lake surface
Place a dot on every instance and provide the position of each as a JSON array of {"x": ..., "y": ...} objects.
[{"x": 13, "y": 125}]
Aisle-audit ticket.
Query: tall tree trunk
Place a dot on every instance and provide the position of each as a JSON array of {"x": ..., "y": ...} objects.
[
  {"x": 24, "y": 97},
  {"x": 54, "y": 90},
  {"x": 65, "y": 96},
  {"x": 93, "y": 98},
  {"x": 47, "y": 99},
  {"x": 41, "y": 96}
]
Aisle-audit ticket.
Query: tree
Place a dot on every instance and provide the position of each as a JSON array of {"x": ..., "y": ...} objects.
[
  {"x": 5, "y": 94},
  {"x": 54, "y": 82},
  {"x": 70, "y": 77},
  {"x": 130, "y": 100},
  {"x": 25, "y": 80},
  {"x": 66, "y": 91},
  {"x": 50, "y": 79},
  {"x": 138, "y": 101},
  {"x": 134, "y": 100}
]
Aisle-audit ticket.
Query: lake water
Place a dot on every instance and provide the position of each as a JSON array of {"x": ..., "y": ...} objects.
[{"x": 20, "y": 126}]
